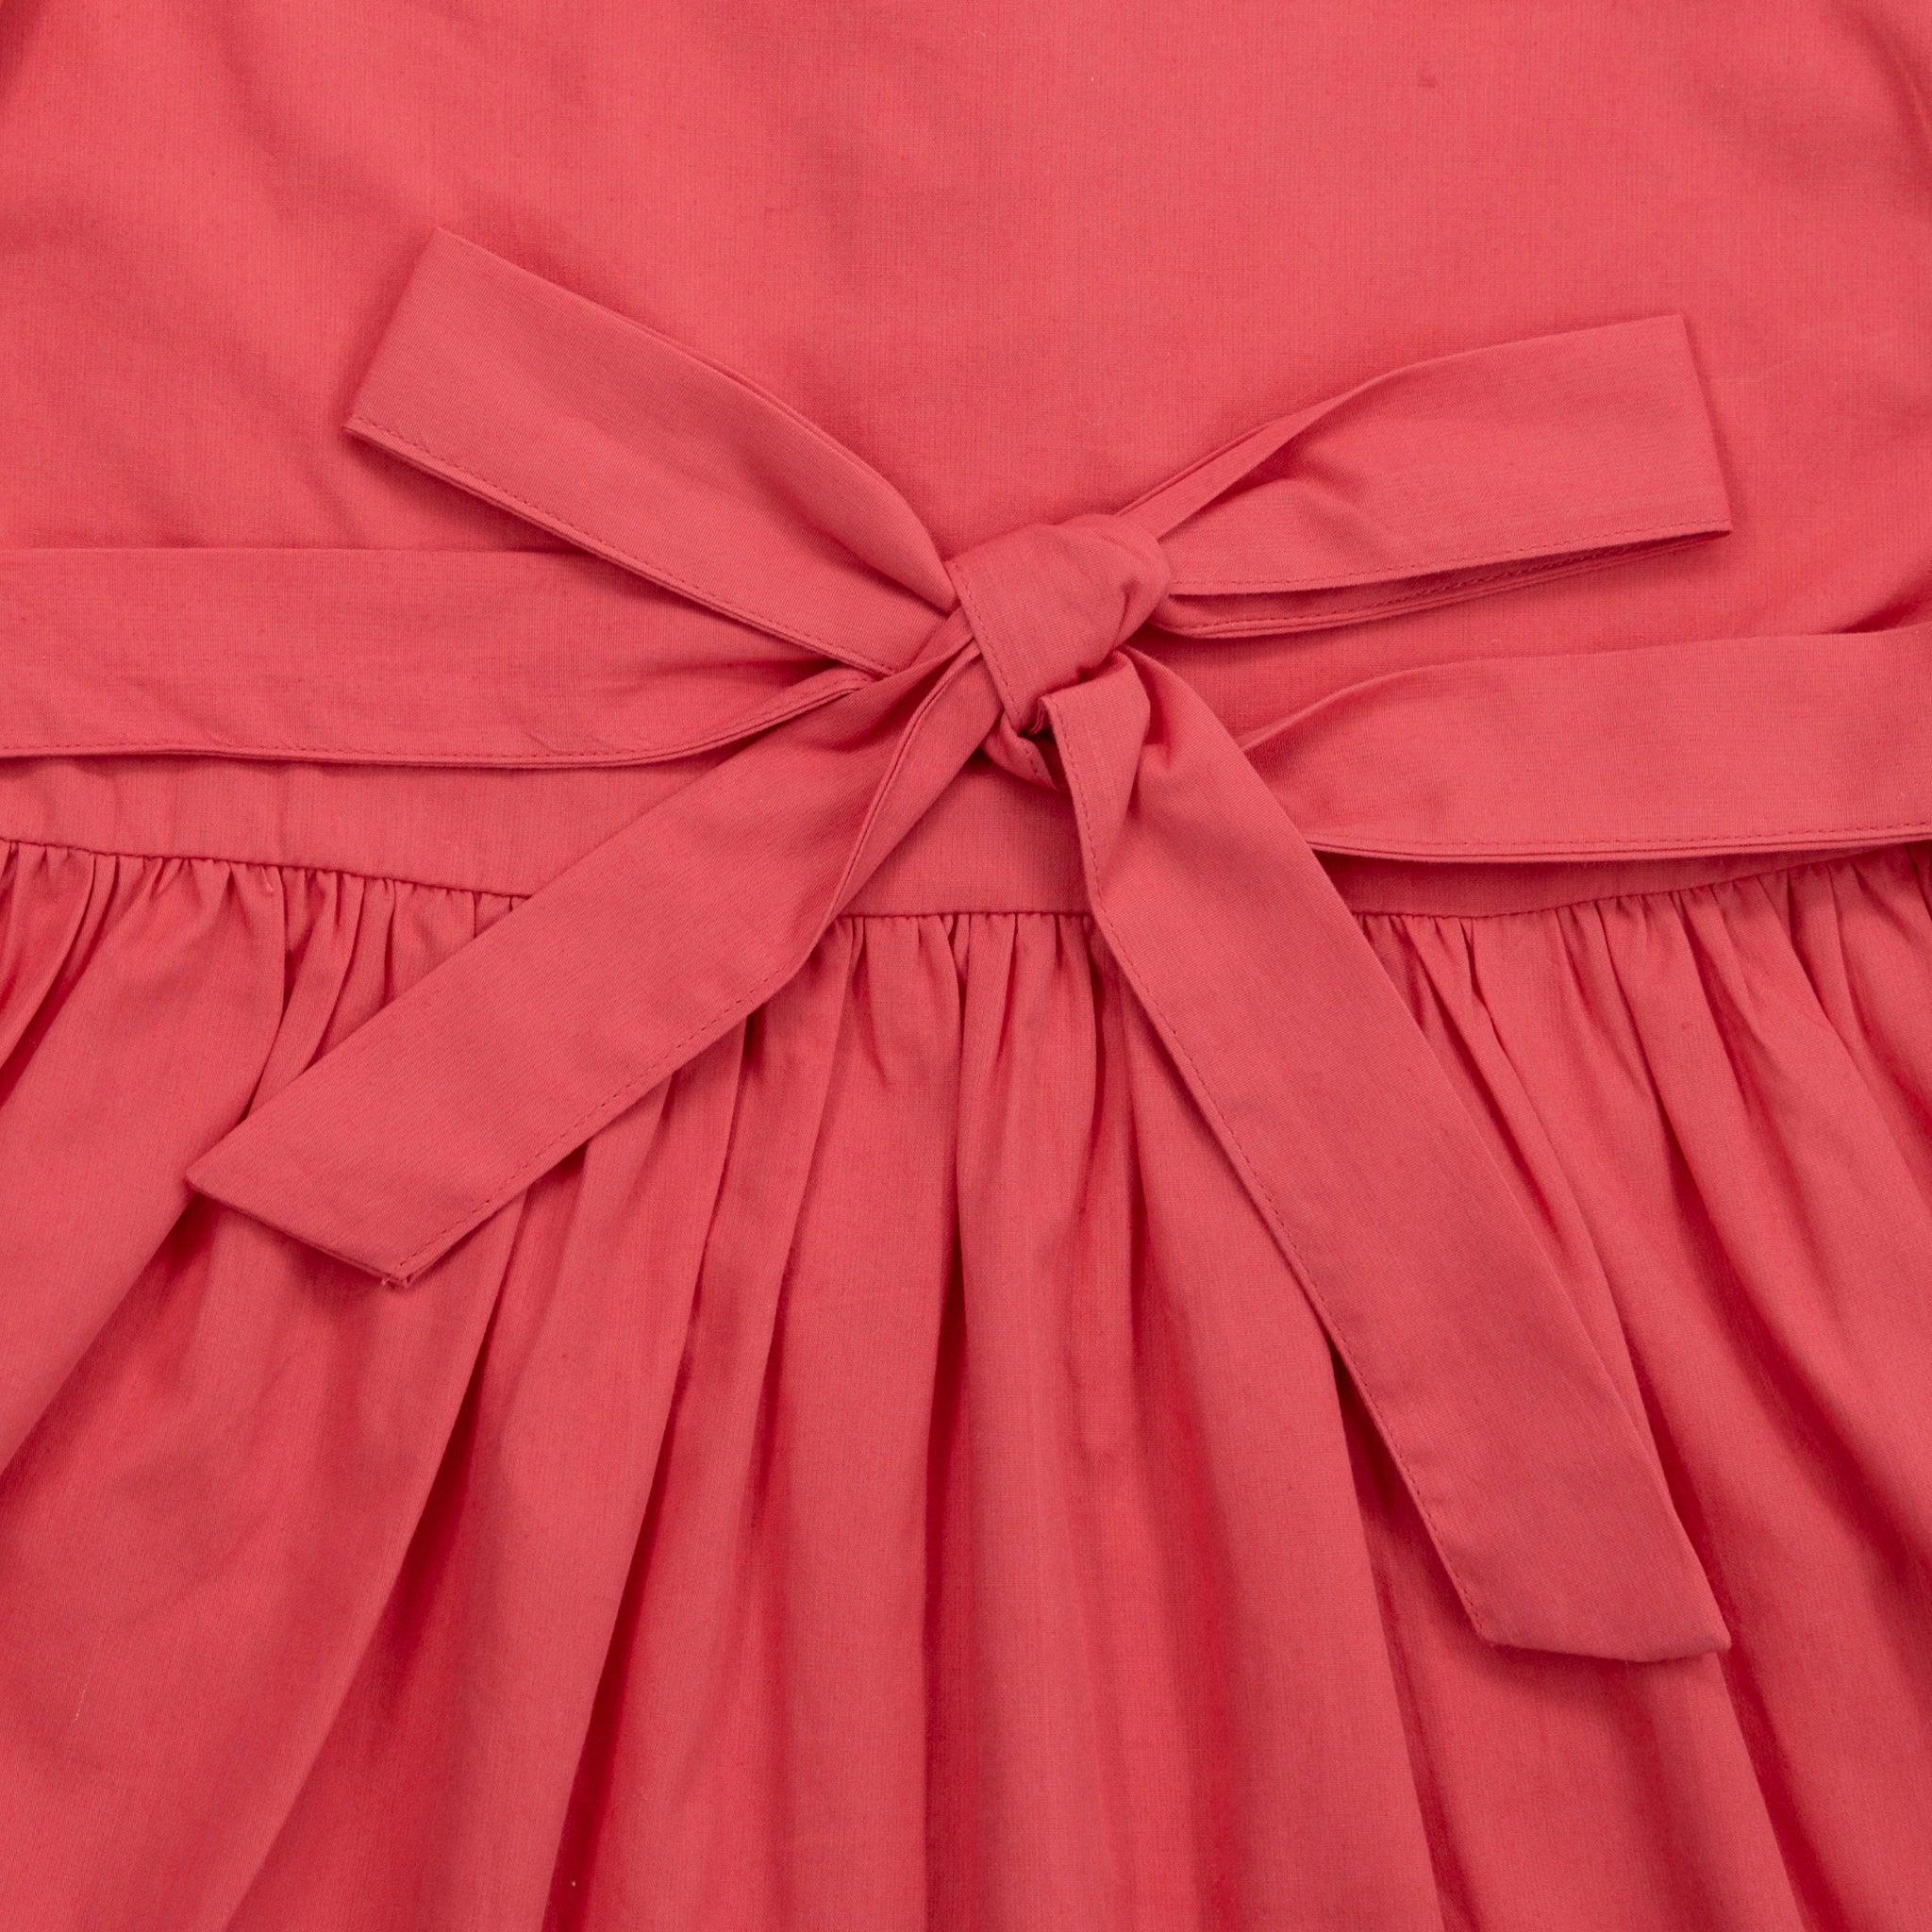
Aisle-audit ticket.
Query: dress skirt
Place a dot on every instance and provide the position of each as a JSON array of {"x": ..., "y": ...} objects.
[
  {"x": 880, "y": 1481},
  {"x": 965, "y": 969}
]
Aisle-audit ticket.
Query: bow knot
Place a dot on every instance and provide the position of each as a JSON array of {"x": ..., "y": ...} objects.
[{"x": 1049, "y": 604}]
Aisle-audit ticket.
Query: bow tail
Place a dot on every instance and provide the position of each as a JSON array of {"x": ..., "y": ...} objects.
[
  {"x": 1536, "y": 1484},
  {"x": 516, "y": 1050}
]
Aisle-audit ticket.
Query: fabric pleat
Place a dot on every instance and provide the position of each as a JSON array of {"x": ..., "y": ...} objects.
[{"x": 871, "y": 1486}]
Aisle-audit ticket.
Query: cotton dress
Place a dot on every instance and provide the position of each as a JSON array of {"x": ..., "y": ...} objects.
[{"x": 966, "y": 967}]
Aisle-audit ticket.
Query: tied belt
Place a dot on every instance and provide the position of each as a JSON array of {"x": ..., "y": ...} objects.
[{"x": 1529, "y": 1468}]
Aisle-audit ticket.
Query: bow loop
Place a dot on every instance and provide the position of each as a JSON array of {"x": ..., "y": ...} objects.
[{"x": 1049, "y": 604}]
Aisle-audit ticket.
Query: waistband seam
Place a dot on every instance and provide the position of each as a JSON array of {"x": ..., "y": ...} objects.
[
  {"x": 1811, "y": 863},
  {"x": 76, "y": 849}
]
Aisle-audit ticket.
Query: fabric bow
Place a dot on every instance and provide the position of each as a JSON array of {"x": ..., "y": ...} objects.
[{"x": 1531, "y": 1474}]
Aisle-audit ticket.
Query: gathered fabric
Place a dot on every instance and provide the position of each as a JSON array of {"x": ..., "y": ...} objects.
[{"x": 884, "y": 1427}]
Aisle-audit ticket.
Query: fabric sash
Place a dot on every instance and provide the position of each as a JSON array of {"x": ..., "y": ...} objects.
[{"x": 1533, "y": 1476}]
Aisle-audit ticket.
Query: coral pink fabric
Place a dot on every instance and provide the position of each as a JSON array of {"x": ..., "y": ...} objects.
[{"x": 817, "y": 1111}]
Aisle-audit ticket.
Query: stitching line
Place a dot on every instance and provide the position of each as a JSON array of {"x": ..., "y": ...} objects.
[
  {"x": 1572, "y": 551},
  {"x": 1407, "y": 914},
  {"x": 780, "y": 712},
  {"x": 1462, "y": 590},
  {"x": 263, "y": 865},
  {"x": 1760, "y": 841},
  {"x": 622, "y": 554}
]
